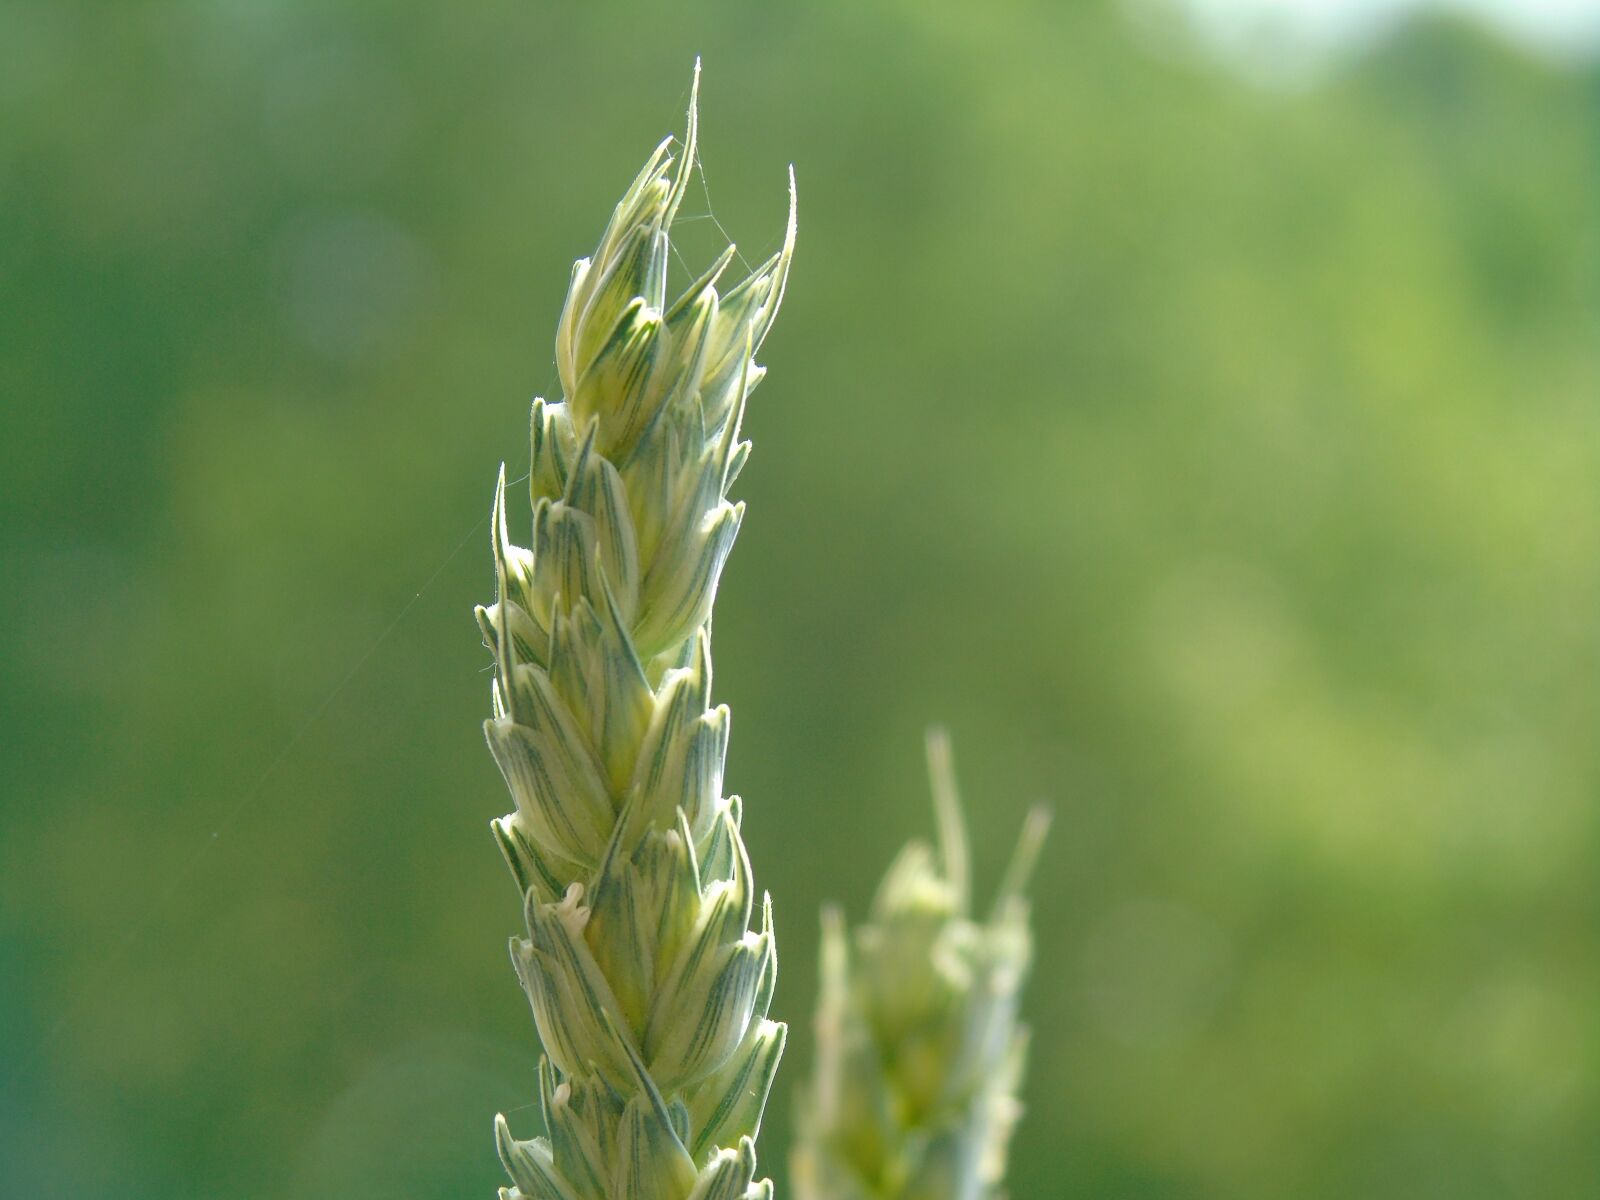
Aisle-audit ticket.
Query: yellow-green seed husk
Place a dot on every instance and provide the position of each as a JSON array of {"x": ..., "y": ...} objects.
[
  {"x": 648, "y": 961},
  {"x": 919, "y": 1048}
]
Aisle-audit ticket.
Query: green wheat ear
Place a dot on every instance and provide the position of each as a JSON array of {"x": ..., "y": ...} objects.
[
  {"x": 648, "y": 985},
  {"x": 919, "y": 1050}
]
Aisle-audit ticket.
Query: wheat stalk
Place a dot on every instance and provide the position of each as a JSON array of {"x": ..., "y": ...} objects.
[
  {"x": 919, "y": 1050},
  {"x": 648, "y": 986}
]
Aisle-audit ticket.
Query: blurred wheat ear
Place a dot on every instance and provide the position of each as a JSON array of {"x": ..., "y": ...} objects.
[
  {"x": 648, "y": 984},
  {"x": 919, "y": 1048}
]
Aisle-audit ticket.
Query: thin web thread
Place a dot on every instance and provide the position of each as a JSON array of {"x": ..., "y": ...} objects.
[{"x": 710, "y": 214}]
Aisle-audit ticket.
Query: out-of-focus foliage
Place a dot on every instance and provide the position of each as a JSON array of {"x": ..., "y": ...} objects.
[{"x": 1221, "y": 463}]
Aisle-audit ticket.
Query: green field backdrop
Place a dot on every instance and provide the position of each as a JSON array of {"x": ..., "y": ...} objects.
[{"x": 1221, "y": 462}]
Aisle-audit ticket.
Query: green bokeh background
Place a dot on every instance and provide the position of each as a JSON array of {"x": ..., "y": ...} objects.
[{"x": 1220, "y": 462}]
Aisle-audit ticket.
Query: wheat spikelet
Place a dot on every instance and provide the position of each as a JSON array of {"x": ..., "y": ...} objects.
[
  {"x": 919, "y": 1050},
  {"x": 649, "y": 986}
]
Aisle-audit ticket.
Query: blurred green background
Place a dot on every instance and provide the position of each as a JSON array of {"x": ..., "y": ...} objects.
[{"x": 1220, "y": 461}]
